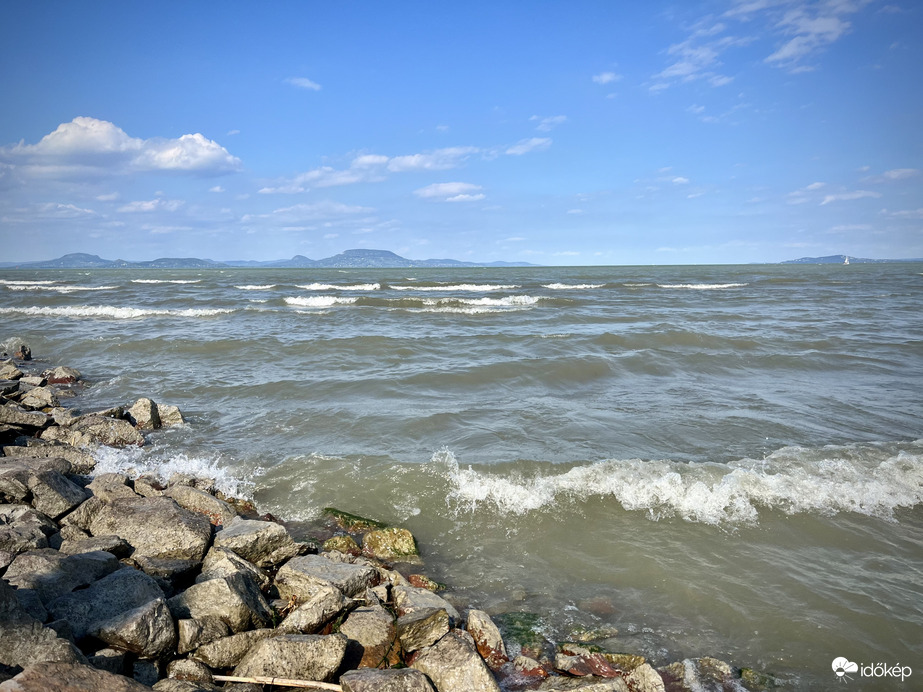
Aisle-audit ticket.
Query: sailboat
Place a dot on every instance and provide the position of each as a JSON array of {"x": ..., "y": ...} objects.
[{"x": 846, "y": 259}]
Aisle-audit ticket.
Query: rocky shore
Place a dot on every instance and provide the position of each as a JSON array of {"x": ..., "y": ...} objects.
[{"x": 119, "y": 584}]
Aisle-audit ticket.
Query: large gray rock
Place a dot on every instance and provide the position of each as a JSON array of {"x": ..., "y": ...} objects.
[
  {"x": 301, "y": 577},
  {"x": 391, "y": 544},
  {"x": 295, "y": 656},
  {"x": 39, "y": 398},
  {"x": 562, "y": 683},
  {"x": 645, "y": 679},
  {"x": 24, "y": 640},
  {"x": 69, "y": 677},
  {"x": 218, "y": 512},
  {"x": 91, "y": 430},
  {"x": 487, "y": 638},
  {"x": 392, "y": 680},
  {"x": 105, "y": 600},
  {"x": 154, "y": 526},
  {"x": 453, "y": 664},
  {"x": 221, "y": 562},
  {"x": 16, "y": 415},
  {"x": 111, "y": 486},
  {"x": 22, "y": 528},
  {"x": 35, "y": 448},
  {"x": 411, "y": 598},
  {"x": 147, "y": 630},
  {"x": 323, "y": 606},
  {"x": 52, "y": 574},
  {"x": 61, "y": 375},
  {"x": 170, "y": 415},
  {"x": 54, "y": 494},
  {"x": 144, "y": 415},
  {"x": 111, "y": 544},
  {"x": 234, "y": 599},
  {"x": 229, "y": 651},
  {"x": 195, "y": 632},
  {"x": 264, "y": 543},
  {"x": 373, "y": 629},
  {"x": 9, "y": 371},
  {"x": 422, "y": 628}
]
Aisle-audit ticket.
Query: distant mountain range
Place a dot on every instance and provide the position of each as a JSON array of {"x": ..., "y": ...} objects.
[
  {"x": 382, "y": 259},
  {"x": 841, "y": 259}
]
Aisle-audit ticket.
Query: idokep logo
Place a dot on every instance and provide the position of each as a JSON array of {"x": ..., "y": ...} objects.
[{"x": 841, "y": 666}]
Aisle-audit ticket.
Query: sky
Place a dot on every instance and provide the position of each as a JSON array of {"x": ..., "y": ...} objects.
[{"x": 558, "y": 133}]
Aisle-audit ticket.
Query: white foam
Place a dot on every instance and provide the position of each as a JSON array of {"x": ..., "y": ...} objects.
[
  {"x": 565, "y": 287},
  {"x": 340, "y": 287},
  {"x": 61, "y": 289},
  {"x": 870, "y": 480},
  {"x": 5, "y": 282},
  {"x": 257, "y": 287},
  {"x": 475, "y": 288},
  {"x": 702, "y": 287},
  {"x": 319, "y": 301},
  {"x": 111, "y": 312},
  {"x": 165, "y": 281}
]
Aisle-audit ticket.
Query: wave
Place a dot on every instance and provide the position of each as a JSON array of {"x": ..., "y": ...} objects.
[
  {"x": 257, "y": 287},
  {"x": 702, "y": 287},
  {"x": 869, "y": 479},
  {"x": 61, "y": 289},
  {"x": 340, "y": 287},
  {"x": 112, "y": 312},
  {"x": 165, "y": 281},
  {"x": 6, "y": 282},
  {"x": 564, "y": 287},
  {"x": 319, "y": 301},
  {"x": 474, "y": 288}
]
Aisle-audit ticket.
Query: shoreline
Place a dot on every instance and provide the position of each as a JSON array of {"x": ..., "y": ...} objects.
[{"x": 364, "y": 579}]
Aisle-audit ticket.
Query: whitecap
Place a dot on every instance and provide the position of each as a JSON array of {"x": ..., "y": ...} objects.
[
  {"x": 340, "y": 287},
  {"x": 565, "y": 287},
  {"x": 165, "y": 281},
  {"x": 256, "y": 287},
  {"x": 112, "y": 312},
  {"x": 319, "y": 301},
  {"x": 476, "y": 288},
  {"x": 702, "y": 287}
]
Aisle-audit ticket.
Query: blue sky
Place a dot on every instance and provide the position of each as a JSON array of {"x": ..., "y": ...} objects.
[{"x": 548, "y": 132}]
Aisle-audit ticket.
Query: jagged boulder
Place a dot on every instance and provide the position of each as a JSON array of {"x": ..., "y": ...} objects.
[
  {"x": 55, "y": 494},
  {"x": 22, "y": 528},
  {"x": 323, "y": 606},
  {"x": 372, "y": 628},
  {"x": 144, "y": 415},
  {"x": 264, "y": 543},
  {"x": 62, "y": 375},
  {"x": 221, "y": 562},
  {"x": 453, "y": 663},
  {"x": 219, "y": 512},
  {"x": 148, "y": 630},
  {"x": 111, "y": 544},
  {"x": 34, "y": 448},
  {"x": 39, "y": 398},
  {"x": 422, "y": 628},
  {"x": 195, "y": 632},
  {"x": 11, "y": 414},
  {"x": 300, "y": 577},
  {"x": 52, "y": 574},
  {"x": 487, "y": 638},
  {"x": 391, "y": 544},
  {"x": 234, "y": 599},
  {"x": 9, "y": 371},
  {"x": 410, "y": 598},
  {"x": 295, "y": 656},
  {"x": 391, "y": 680},
  {"x": 69, "y": 677},
  {"x": 229, "y": 651}
]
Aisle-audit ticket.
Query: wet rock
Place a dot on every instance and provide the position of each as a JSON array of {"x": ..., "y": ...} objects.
[
  {"x": 323, "y": 606},
  {"x": 264, "y": 543},
  {"x": 33, "y": 380},
  {"x": 487, "y": 638},
  {"x": 645, "y": 679},
  {"x": 52, "y": 575},
  {"x": 148, "y": 486},
  {"x": 39, "y": 398},
  {"x": 105, "y": 600},
  {"x": 195, "y": 632},
  {"x": 144, "y": 415},
  {"x": 8, "y": 371},
  {"x": 592, "y": 664},
  {"x": 586, "y": 684},
  {"x": 62, "y": 375},
  {"x": 409, "y": 599},
  {"x": 373, "y": 629},
  {"x": 453, "y": 663},
  {"x": 296, "y": 656},
  {"x": 148, "y": 630},
  {"x": 219, "y": 513},
  {"x": 221, "y": 562},
  {"x": 92, "y": 430},
  {"x": 234, "y": 599},
  {"x": 343, "y": 544},
  {"x": 24, "y": 640},
  {"x": 693, "y": 674},
  {"x": 69, "y": 677},
  {"x": 170, "y": 416},
  {"x": 394, "y": 680},
  {"x": 301, "y": 577},
  {"x": 229, "y": 651},
  {"x": 529, "y": 667},
  {"x": 154, "y": 526},
  {"x": 110, "y": 544},
  {"x": 393, "y": 544},
  {"x": 352, "y": 522},
  {"x": 421, "y": 581},
  {"x": 523, "y": 630},
  {"x": 11, "y": 414},
  {"x": 422, "y": 628}
]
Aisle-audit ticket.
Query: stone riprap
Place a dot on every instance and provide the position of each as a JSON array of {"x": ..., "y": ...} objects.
[{"x": 115, "y": 583}]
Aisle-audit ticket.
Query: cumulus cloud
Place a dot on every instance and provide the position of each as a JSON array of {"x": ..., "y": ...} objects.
[
  {"x": 451, "y": 192},
  {"x": 88, "y": 146},
  {"x": 527, "y": 146},
  {"x": 151, "y": 205}
]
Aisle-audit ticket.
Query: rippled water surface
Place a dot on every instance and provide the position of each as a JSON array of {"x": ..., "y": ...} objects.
[{"x": 713, "y": 460}]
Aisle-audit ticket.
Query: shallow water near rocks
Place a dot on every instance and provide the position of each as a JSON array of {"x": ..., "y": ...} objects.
[{"x": 719, "y": 461}]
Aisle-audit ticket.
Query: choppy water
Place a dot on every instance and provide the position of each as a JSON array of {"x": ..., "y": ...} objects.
[{"x": 718, "y": 460}]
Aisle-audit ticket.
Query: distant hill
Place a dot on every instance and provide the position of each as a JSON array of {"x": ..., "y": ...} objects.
[
  {"x": 348, "y": 259},
  {"x": 841, "y": 259}
]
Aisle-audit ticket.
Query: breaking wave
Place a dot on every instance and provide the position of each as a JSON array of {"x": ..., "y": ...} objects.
[
  {"x": 165, "y": 281},
  {"x": 474, "y": 288},
  {"x": 565, "y": 287},
  {"x": 702, "y": 287},
  {"x": 318, "y": 301},
  {"x": 111, "y": 312},
  {"x": 340, "y": 287},
  {"x": 259, "y": 287}
]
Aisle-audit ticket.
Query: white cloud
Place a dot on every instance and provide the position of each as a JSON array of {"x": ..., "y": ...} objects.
[
  {"x": 451, "y": 192},
  {"x": 317, "y": 210},
  {"x": 438, "y": 160},
  {"x": 900, "y": 173},
  {"x": 575, "y": 211},
  {"x": 904, "y": 214},
  {"x": 152, "y": 205},
  {"x": 680, "y": 180},
  {"x": 108, "y": 197},
  {"x": 815, "y": 186},
  {"x": 88, "y": 146},
  {"x": 847, "y": 196},
  {"x": 216, "y": 188},
  {"x": 303, "y": 83},
  {"x": 527, "y": 146},
  {"x": 549, "y": 123},
  {"x": 606, "y": 77}
]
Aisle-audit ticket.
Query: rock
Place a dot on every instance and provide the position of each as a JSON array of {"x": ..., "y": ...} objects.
[
  {"x": 54, "y": 494},
  {"x": 374, "y": 631},
  {"x": 585, "y": 684},
  {"x": 154, "y": 526},
  {"x": 393, "y": 680},
  {"x": 52, "y": 575},
  {"x": 645, "y": 679},
  {"x": 263, "y": 543},
  {"x": 487, "y": 638},
  {"x": 529, "y": 667},
  {"x": 391, "y": 545},
  {"x": 111, "y": 544},
  {"x": 15, "y": 415},
  {"x": 23, "y": 528},
  {"x": 144, "y": 415},
  {"x": 229, "y": 651},
  {"x": 62, "y": 375},
  {"x": 23, "y": 639},
  {"x": 111, "y": 486},
  {"x": 39, "y": 398},
  {"x": 421, "y": 581},
  {"x": 81, "y": 517},
  {"x": 195, "y": 632},
  {"x": 112, "y": 432},
  {"x": 170, "y": 416},
  {"x": 301, "y": 577},
  {"x": 409, "y": 599},
  {"x": 221, "y": 562},
  {"x": 8, "y": 371},
  {"x": 148, "y": 486},
  {"x": 234, "y": 599},
  {"x": 524, "y": 631},
  {"x": 69, "y": 677},
  {"x": 324, "y": 605},
  {"x": 592, "y": 664},
  {"x": 422, "y": 628},
  {"x": 352, "y": 522},
  {"x": 110, "y": 659},
  {"x": 147, "y": 630},
  {"x": 81, "y": 462},
  {"x": 33, "y": 381},
  {"x": 146, "y": 672},
  {"x": 219, "y": 513},
  {"x": 343, "y": 544},
  {"x": 697, "y": 674},
  {"x": 453, "y": 664},
  {"x": 295, "y": 656},
  {"x": 187, "y": 669},
  {"x": 32, "y": 604},
  {"x": 176, "y": 685},
  {"x": 105, "y": 599}
]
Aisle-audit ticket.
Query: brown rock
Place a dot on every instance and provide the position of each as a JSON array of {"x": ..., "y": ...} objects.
[{"x": 69, "y": 677}]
